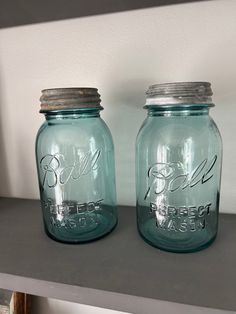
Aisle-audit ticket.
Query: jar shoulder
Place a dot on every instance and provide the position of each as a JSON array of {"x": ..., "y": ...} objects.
[
  {"x": 77, "y": 131},
  {"x": 178, "y": 129}
]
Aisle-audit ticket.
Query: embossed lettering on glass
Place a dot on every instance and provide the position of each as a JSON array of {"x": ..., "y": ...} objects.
[
  {"x": 178, "y": 168},
  {"x": 75, "y": 162}
]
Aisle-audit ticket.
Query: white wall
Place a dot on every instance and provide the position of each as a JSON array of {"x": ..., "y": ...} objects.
[
  {"x": 121, "y": 54},
  {"x": 53, "y": 306}
]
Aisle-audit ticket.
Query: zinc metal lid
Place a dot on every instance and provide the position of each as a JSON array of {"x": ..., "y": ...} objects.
[
  {"x": 179, "y": 93},
  {"x": 70, "y": 98}
]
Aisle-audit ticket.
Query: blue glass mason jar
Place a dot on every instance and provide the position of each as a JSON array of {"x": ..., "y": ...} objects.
[
  {"x": 75, "y": 163},
  {"x": 178, "y": 168}
]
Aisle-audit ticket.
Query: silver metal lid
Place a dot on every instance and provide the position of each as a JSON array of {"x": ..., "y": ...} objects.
[
  {"x": 69, "y": 98},
  {"x": 179, "y": 93}
]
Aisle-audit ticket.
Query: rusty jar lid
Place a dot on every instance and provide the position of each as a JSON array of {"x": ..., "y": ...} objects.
[
  {"x": 179, "y": 93},
  {"x": 70, "y": 98}
]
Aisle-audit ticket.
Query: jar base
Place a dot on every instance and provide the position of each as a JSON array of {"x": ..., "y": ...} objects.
[
  {"x": 181, "y": 248},
  {"x": 80, "y": 227},
  {"x": 81, "y": 241}
]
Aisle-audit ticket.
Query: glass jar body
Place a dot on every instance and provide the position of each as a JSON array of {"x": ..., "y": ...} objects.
[
  {"x": 178, "y": 171},
  {"x": 76, "y": 173}
]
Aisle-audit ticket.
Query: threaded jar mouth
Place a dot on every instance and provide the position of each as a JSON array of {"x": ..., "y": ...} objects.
[
  {"x": 178, "y": 93},
  {"x": 70, "y": 98}
]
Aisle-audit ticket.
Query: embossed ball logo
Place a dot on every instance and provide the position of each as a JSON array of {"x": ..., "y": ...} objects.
[{"x": 56, "y": 170}]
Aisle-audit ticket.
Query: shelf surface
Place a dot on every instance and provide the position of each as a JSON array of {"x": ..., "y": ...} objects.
[
  {"x": 120, "y": 270},
  {"x": 21, "y": 12}
]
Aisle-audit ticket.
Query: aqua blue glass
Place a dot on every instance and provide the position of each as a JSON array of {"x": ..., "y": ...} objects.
[
  {"x": 76, "y": 170},
  {"x": 178, "y": 168}
]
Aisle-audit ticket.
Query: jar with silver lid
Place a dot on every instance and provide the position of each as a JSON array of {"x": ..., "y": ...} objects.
[
  {"x": 178, "y": 168},
  {"x": 75, "y": 162}
]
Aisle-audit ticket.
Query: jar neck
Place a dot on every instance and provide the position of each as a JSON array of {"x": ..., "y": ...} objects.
[
  {"x": 79, "y": 113},
  {"x": 177, "y": 110}
]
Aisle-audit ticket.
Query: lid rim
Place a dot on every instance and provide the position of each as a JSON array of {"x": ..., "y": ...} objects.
[
  {"x": 179, "y": 93},
  {"x": 69, "y": 98}
]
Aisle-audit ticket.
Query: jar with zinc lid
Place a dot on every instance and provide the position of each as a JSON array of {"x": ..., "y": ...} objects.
[
  {"x": 178, "y": 168},
  {"x": 75, "y": 163}
]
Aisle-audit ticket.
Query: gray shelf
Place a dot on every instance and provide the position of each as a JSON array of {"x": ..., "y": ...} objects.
[
  {"x": 20, "y": 12},
  {"x": 120, "y": 271}
]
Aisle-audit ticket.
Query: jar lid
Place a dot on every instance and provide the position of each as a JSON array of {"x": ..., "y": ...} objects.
[
  {"x": 179, "y": 93},
  {"x": 70, "y": 98}
]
